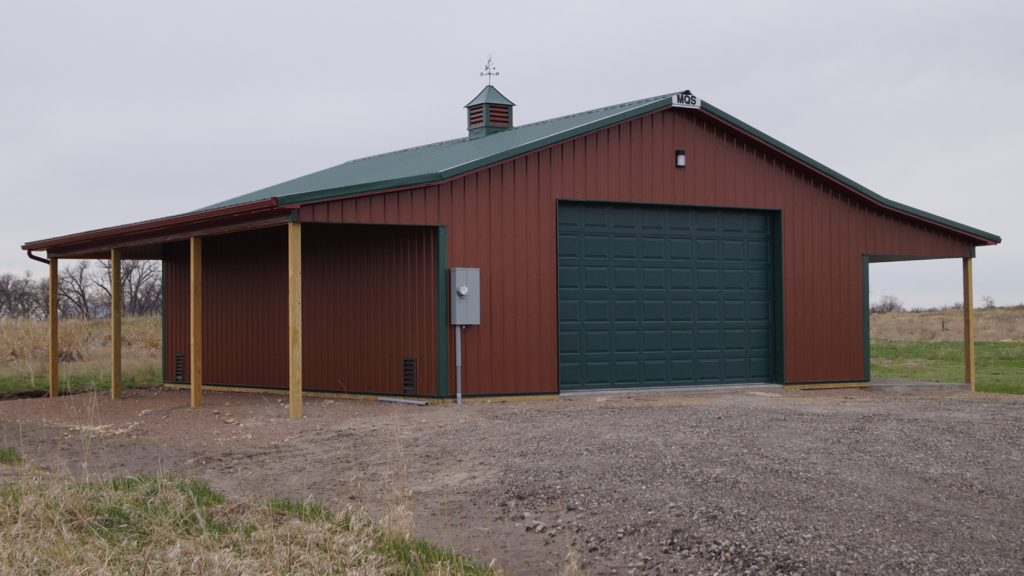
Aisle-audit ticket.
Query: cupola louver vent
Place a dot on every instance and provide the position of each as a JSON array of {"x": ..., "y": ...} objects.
[{"x": 488, "y": 113}]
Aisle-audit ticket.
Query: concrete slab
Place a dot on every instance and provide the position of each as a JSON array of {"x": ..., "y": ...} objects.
[
  {"x": 718, "y": 388},
  {"x": 909, "y": 386}
]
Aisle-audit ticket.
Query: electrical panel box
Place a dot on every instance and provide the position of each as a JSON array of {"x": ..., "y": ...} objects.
[{"x": 465, "y": 296}]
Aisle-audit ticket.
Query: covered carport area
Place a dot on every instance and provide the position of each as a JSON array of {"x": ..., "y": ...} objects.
[
  {"x": 148, "y": 240},
  {"x": 968, "y": 309}
]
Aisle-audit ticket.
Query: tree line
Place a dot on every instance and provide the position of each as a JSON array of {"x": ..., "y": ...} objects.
[{"x": 83, "y": 291}]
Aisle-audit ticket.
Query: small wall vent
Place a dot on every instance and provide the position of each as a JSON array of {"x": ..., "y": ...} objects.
[
  {"x": 408, "y": 375},
  {"x": 179, "y": 367}
]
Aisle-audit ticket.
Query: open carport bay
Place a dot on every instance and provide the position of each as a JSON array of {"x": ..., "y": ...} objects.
[{"x": 841, "y": 481}]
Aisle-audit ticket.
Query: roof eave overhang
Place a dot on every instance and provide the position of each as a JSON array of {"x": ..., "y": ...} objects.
[
  {"x": 978, "y": 237},
  {"x": 220, "y": 220}
]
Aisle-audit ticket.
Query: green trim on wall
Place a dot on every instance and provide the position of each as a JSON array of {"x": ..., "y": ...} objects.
[
  {"x": 866, "y": 288},
  {"x": 779, "y": 317},
  {"x": 163, "y": 319},
  {"x": 442, "y": 311}
]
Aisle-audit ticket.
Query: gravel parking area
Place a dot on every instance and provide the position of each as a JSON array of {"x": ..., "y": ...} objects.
[{"x": 823, "y": 482}]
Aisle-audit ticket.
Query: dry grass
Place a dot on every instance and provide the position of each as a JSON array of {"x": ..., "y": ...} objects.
[
  {"x": 83, "y": 350},
  {"x": 990, "y": 325},
  {"x": 51, "y": 524}
]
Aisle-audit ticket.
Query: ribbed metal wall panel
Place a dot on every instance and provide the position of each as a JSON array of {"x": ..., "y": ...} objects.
[
  {"x": 368, "y": 296},
  {"x": 502, "y": 220},
  {"x": 367, "y": 292},
  {"x": 245, "y": 310},
  {"x": 176, "y": 322}
]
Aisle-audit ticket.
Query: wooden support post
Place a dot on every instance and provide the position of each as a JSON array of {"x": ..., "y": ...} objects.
[
  {"x": 969, "y": 322},
  {"x": 295, "y": 319},
  {"x": 115, "y": 324},
  {"x": 54, "y": 349},
  {"x": 196, "y": 317}
]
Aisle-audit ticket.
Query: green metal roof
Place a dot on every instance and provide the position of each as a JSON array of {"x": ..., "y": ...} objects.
[
  {"x": 490, "y": 95},
  {"x": 442, "y": 161}
]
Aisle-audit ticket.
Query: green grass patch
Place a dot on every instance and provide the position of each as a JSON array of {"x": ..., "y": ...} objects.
[
  {"x": 86, "y": 381},
  {"x": 10, "y": 457},
  {"x": 169, "y": 525},
  {"x": 999, "y": 366}
]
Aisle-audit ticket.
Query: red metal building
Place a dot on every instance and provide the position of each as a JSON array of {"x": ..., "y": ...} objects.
[{"x": 656, "y": 243}]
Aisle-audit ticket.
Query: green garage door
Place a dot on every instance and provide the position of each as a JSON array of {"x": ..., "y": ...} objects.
[{"x": 663, "y": 296}]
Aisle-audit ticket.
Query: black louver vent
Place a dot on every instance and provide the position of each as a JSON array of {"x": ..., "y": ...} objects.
[
  {"x": 179, "y": 367},
  {"x": 408, "y": 375}
]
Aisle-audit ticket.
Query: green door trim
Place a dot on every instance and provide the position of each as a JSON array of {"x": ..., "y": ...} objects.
[{"x": 442, "y": 311}]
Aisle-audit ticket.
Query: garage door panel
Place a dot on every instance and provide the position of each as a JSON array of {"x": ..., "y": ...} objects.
[
  {"x": 595, "y": 312},
  {"x": 758, "y": 251},
  {"x": 627, "y": 373},
  {"x": 626, "y": 311},
  {"x": 708, "y": 341},
  {"x": 654, "y": 311},
  {"x": 680, "y": 249},
  {"x": 659, "y": 296},
  {"x": 598, "y": 373},
  {"x": 708, "y": 310},
  {"x": 568, "y": 276},
  {"x": 626, "y": 278},
  {"x": 569, "y": 314},
  {"x": 681, "y": 341},
  {"x": 597, "y": 342},
  {"x": 654, "y": 278},
  {"x": 680, "y": 311},
  {"x": 707, "y": 278},
  {"x": 627, "y": 342},
  {"x": 655, "y": 372},
  {"x": 624, "y": 247},
  {"x": 709, "y": 370},
  {"x": 569, "y": 245}
]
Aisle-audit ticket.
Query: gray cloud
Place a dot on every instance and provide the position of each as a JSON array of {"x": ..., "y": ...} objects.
[{"x": 112, "y": 113}]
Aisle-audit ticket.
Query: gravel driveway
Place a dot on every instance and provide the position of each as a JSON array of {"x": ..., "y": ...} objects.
[{"x": 822, "y": 482}]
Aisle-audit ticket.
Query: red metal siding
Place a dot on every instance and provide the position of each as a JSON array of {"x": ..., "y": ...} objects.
[
  {"x": 245, "y": 308},
  {"x": 368, "y": 296},
  {"x": 501, "y": 220},
  {"x": 176, "y": 306}
]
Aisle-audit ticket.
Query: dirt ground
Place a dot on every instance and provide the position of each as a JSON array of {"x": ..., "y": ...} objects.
[{"x": 837, "y": 482}]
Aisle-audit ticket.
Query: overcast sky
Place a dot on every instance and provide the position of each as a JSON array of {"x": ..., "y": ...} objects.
[{"x": 112, "y": 113}]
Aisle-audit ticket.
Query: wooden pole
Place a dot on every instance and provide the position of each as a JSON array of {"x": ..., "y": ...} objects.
[
  {"x": 969, "y": 322},
  {"x": 54, "y": 350},
  {"x": 115, "y": 324},
  {"x": 295, "y": 319},
  {"x": 196, "y": 318}
]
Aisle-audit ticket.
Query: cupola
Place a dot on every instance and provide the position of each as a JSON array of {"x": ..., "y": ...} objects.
[{"x": 488, "y": 113}]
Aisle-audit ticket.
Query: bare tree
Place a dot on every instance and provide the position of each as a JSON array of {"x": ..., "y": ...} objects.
[
  {"x": 141, "y": 290},
  {"x": 988, "y": 302},
  {"x": 887, "y": 305},
  {"x": 74, "y": 288},
  {"x": 23, "y": 297}
]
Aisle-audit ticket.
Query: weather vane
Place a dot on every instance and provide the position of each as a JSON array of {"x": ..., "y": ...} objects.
[{"x": 489, "y": 70}]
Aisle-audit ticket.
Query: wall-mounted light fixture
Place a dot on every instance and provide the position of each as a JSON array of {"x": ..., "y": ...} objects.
[{"x": 680, "y": 158}]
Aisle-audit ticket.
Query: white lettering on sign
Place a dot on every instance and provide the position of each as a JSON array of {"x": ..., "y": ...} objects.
[{"x": 685, "y": 100}]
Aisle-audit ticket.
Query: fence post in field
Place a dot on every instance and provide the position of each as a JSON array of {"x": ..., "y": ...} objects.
[
  {"x": 54, "y": 350},
  {"x": 295, "y": 319},
  {"x": 115, "y": 324},
  {"x": 969, "y": 323},
  {"x": 196, "y": 313}
]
